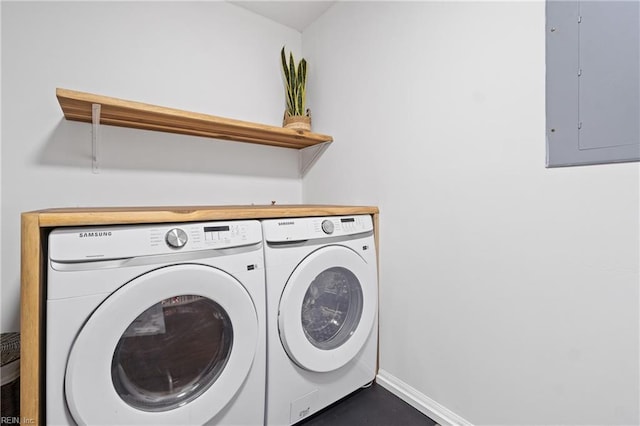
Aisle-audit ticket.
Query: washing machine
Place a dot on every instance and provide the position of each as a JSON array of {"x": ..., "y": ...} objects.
[
  {"x": 322, "y": 299},
  {"x": 156, "y": 324}
]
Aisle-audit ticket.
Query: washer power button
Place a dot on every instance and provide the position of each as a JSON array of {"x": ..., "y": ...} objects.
[
  {"x": 176, "y": 238},
  {"x": 327, "y": 226}
]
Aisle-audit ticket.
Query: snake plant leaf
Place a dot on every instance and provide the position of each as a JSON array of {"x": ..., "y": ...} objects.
[
  {"x": 284, "y": 61},
  {"x": 288, "y": 82},
  {"x": 294, "y": 83},
  {"x": 285, "y": 68},
  {"x": 302, "y": 79},
  {"x": 299, "y": 74},
  {"x": 303, "y": 72},
  {"x": 292, "y": 69},
  {"x": 299, "y": 108}
]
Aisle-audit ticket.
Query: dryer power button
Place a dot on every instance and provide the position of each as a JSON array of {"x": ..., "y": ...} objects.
[
  {"x": 327, "y": 226},
  {"x": 176, "y": 238}
]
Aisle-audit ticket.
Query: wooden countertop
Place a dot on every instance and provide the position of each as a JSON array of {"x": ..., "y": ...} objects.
[
  {"x": 37, "y": 224},
  {"x": 124, "y": 215}
]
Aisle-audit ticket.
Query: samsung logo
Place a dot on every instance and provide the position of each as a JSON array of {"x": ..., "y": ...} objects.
[
  {"x": 95, "y": 234},
  {"x": 286, "y": 222}
]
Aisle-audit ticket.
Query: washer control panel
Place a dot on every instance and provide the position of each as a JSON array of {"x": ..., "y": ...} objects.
[
  {"x": 308, "y": 228},
  {"x": 117, "y": 242},
  {"x": 198, "y": 236}
]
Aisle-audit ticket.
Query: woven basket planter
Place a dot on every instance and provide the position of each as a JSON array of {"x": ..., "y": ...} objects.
[{"x": 297, "y": 122}]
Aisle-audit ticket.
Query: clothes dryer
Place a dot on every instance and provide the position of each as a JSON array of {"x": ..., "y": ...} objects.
[
  {"x": 322, "y": 299},
  {"x": 156, "y": 324}
]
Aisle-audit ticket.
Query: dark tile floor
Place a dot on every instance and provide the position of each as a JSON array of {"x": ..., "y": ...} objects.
[{"x": 372, "y": 406}]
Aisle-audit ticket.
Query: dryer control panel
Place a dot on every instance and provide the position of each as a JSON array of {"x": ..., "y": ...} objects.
[
  {"x": 309, "y": 228},
  {"x": 117, "y": 242}
]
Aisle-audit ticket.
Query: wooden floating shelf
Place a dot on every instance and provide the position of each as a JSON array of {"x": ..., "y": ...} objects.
[{"x": 77, "y": 106}]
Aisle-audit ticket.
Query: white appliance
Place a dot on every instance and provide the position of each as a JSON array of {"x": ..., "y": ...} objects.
[
  {"x": 156, "y": 324},
  {"x": 322, "y": 299}
]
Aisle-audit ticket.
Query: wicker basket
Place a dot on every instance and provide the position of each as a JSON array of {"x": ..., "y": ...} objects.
[
  {"x": 297, "y": 122},
  {"x": 10, "y": 375}
]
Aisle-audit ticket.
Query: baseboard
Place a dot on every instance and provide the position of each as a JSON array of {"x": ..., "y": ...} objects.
[{"x": 419, "y": 401}]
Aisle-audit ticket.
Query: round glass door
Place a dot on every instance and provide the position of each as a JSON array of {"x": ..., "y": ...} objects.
[
  {"x": 331, "y": 308},
  {"x": 172, "y": 353},
  {"x": 327, "y": 309}
]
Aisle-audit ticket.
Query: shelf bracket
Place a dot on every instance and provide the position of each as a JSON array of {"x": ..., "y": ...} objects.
[
  {"x": 95, "y": 137},
  {"x": 309, "y": 155}
]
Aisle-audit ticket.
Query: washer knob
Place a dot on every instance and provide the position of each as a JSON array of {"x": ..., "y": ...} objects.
[
  {"x": 176, "y": 238},
  {"x": 327, "y": 226}
]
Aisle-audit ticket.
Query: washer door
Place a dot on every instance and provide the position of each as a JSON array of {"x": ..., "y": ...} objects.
[
  {"x": 327, "y": 309},
  {"x": 172, "y": 346}
]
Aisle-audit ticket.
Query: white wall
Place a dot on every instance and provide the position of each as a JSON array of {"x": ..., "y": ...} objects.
[
  {"x": 209, "y": 57},
  {"x": 509, "y": 292}
]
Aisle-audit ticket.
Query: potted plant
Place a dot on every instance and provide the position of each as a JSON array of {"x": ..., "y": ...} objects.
[{"x": 295, "y": 78}]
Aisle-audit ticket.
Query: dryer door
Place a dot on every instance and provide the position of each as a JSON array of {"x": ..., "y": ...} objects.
[
  {"x": 328, "y": 308},
  {"x": 175, "y": 346}
]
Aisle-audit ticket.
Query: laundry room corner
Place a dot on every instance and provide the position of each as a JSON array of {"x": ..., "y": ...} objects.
[{"x": 173, "y": 253}]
